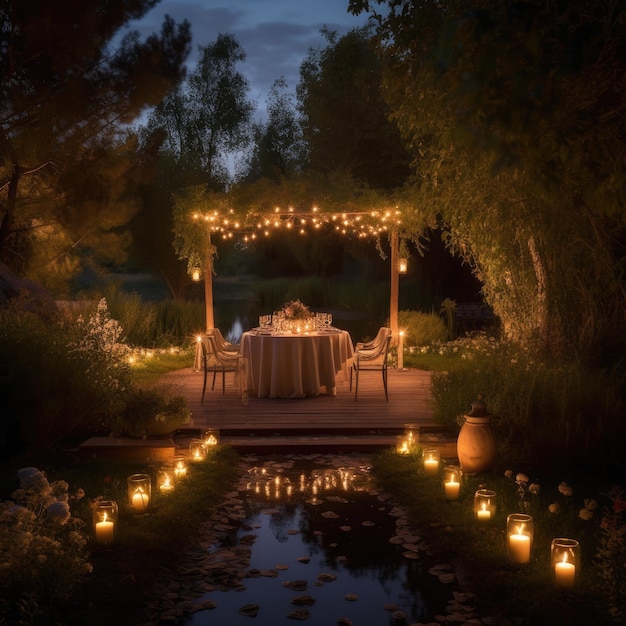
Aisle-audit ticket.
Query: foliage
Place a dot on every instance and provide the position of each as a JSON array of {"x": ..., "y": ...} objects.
[
  {"x": 42, "y": 546},
  {"x": 68, "y": 164},
  {"x": 45, "y": 358},
  {"x": 611, "y": 553},
  {"x": 512, "y": 113},
  {"x": 421, "y": 329},
  {"x": 150, "y": 410},
  {"x": 450, "y": 530},
  {"x": 344, "y": 117},
  {"x": 565, "y": 409},
  {"x": 278, "y": 146}
]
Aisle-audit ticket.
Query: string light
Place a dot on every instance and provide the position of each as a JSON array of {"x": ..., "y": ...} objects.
[{"x": 362, "y": 224}]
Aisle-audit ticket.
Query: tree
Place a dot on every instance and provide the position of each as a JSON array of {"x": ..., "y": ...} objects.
[
  {"x": 206, "y": 119},
  {"x": 278, "y": 147},
  {"x": 344, "y": 116},
  {"x": 514, "y": 112},
  {"x": 65, "y": 98}
]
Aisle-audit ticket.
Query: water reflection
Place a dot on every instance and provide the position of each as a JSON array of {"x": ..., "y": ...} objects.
[{"x": 323, "y": 521}]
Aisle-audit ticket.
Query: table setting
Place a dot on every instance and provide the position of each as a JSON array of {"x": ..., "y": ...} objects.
[{"x": 295, "y": 353}]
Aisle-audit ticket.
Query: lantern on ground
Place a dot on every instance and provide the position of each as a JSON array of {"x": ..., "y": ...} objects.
[
  {"x": 197, "y": 451},
  {"x": 519, "y": 537},
  {"x": 105, "y": 516},
  {"x": 452, "y": 481},
  {"x": 409, "y": 441},
  {"x": 165, "y": 479},
  {"x": 180, "y": 466},
  {"x": 139, "y": 491},
  {"x": 565, "y": 560},
  {"x": 485, "y": 501},
  {"x": 432, "y": 457},
  {"x": 211, "y": 438}
]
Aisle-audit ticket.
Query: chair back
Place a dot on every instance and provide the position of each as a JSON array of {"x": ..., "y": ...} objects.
[
  {"x": 376, "y": 355},
  {"x": 222, "y": 342}
]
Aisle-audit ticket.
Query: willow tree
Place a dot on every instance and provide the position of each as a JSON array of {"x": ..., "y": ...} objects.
[{"x": 515, "y": 114}]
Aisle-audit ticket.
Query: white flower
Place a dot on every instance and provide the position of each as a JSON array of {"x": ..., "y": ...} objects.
[
  {"x": 554, "y": 507},
  {"x": 58, "y": 512},
  {"x": 591, "y": 504},
  {"x": 508, "y": 474},
  {"x": 585, "y": 514},
  {"x": 534, "y": 488},
  {"x": 32, "y": 478},
  {"x": 565, "y": 489},
  {"x": 521, "y": 478}
]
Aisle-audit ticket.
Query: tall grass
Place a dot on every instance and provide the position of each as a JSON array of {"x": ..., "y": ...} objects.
[{"x": 541, "y": 408}]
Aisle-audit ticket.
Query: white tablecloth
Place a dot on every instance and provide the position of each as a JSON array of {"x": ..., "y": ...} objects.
[{"x": 296, "y": 366}]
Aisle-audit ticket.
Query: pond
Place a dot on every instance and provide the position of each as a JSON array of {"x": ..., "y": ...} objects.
[{"x": 309, "y": 538}]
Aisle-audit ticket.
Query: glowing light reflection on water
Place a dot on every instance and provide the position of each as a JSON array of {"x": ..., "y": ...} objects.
[{"x": 340, "y": 528}]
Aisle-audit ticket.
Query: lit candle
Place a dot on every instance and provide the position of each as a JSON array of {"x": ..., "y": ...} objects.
[
  {"x": 180, "y": 470},
  {"x": 431, "y": 466},
  {"x": 483, "y": 513},
  {"x": 166, "y": 483},
  {"x": 140, "y": 501},
  {"x": 519, "y": 546},
  {"x": 565, "y": 573},
  {"x": 452, "y": 488},
  {"x": 104, "y": 530}
]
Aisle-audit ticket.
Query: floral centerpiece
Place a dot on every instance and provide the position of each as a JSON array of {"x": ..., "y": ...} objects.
[{"x": 296, "y": 310}]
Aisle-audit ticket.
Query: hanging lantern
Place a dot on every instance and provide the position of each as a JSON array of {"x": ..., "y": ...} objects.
[
  {"x": 196, "y": 274},
  {"x": 403, "y": 265}
]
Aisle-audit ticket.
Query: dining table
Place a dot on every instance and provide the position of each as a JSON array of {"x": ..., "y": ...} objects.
[{"x": 295, "y": 365}]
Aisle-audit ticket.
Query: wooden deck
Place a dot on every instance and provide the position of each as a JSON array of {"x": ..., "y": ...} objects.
[{"x": 317, "y": 421}]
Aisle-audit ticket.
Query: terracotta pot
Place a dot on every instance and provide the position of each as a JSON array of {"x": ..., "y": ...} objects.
[{"x": 476, "y": 446}]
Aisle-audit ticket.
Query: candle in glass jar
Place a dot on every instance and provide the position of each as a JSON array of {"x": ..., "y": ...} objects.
[
  {"x": 565, "y": 573},
  {"x": 519, "y": 547},
  {"x": 452, "y": 488},
  {"x": 483, "y": 513},
  {"x": 104, "y": 530},
  {"x": 140, "y": 501}
]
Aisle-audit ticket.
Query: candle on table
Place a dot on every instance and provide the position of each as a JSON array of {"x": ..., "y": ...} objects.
[
  {"x": 104, "y": 530},
  {"x": 565, "y": 573}
]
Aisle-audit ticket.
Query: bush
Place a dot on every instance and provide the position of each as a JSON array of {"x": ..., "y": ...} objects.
[
  {"x": 541, "y": 407},
  {"x": 421, "y": 329},
  {"x": 150, "y": 411},
  {"x": 44, "y": 552}
]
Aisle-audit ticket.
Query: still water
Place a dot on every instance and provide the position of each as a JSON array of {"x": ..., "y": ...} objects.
[{"x": 324, "y": 545}]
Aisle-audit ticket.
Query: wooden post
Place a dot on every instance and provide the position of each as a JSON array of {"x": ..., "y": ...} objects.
[
  {"x": 395, "y": 287},
  {"x": 208, "y": 286}
]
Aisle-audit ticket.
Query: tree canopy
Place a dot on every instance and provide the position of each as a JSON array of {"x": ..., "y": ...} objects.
[
  {"x": 514, "y": 112},
  {"x": 66, "y": 96}
]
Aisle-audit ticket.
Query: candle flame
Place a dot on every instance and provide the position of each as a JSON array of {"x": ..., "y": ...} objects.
[{"x": 564, "y": 557}]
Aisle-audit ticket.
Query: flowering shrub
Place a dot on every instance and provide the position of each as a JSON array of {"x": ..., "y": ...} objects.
[
  {"x": 296, "y": 310},
  {"x": 101, "y": 340},
  {"x": 43, "y": 553},
  {"x": 611, "y": 554}
]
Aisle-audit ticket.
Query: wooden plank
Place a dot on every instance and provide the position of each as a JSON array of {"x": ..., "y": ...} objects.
[
  {"x": 128, "y": 449},
  {"x": 409, "y": 402}
]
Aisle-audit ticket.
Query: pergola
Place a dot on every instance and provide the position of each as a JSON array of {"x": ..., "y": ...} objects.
[{"x": 362, "y": 224}]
